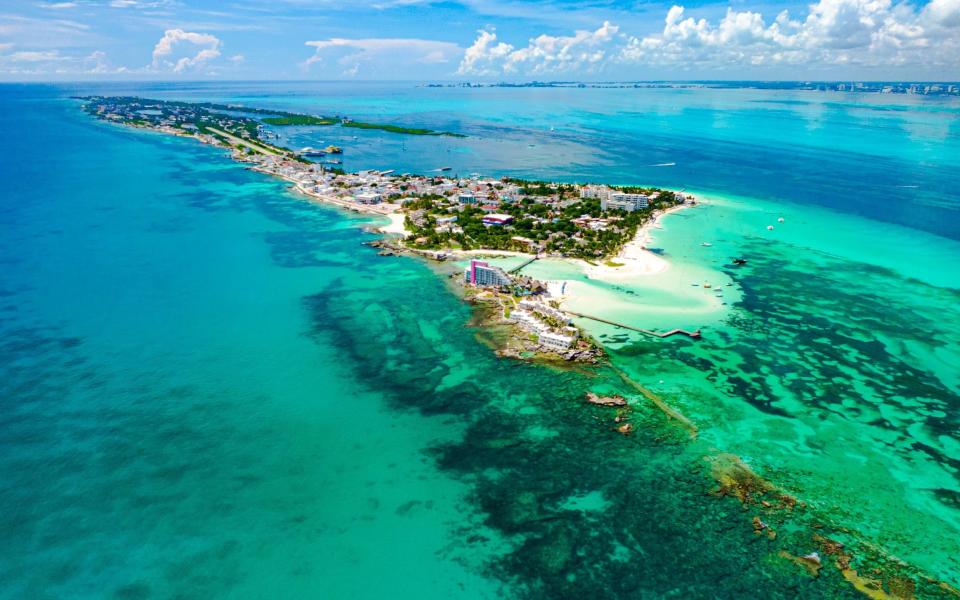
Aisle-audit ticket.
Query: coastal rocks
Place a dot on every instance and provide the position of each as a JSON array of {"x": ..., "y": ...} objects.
[
  {"x": 625, "y": 429},
  {"x": 759, "y": 527},
  {"x": 833, "y": 548},
  {"x": 606, "y": 400},
  {"x": 737, "y": 479},
  {"x": 811, "y": 562},
  {"x": 591, "y": 355},
  {"x": 386, "y": 248},
  {"x": 892, "y": 586}
]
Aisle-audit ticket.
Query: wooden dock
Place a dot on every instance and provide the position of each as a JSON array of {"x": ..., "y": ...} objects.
[
  {"x": 695, "y": 334},
  {"x": 523, "y": 264}
]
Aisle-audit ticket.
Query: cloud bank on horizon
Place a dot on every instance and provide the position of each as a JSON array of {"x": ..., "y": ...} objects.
[
  {"x": 874, "y": 33},
  {"x": 478, "y": 39}
]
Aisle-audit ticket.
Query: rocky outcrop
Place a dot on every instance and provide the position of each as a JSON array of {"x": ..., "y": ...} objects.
[
  {"x": 606, "y": 400},
  {"x": 590, "y": 355}
]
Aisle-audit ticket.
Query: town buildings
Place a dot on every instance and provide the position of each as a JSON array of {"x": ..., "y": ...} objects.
[{"x": 497, "y": 219}]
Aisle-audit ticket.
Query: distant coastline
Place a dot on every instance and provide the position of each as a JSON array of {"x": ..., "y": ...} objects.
[{"x": 917, "y": 88}]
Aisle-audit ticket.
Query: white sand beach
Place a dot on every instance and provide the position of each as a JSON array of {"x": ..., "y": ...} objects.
[
  {"x": 644, "y": 290},
  {"x": 396, "y": 224},
  {"x": 474, "y": 253},
  {"x": 634, "y": 260}
]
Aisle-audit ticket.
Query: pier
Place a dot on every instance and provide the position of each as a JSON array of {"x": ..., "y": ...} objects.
[
  {"x": 523, "y": 264},
  {"x": 695, "y": 334}
]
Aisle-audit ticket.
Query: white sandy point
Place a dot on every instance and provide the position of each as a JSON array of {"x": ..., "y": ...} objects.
[
  {"x": 634, "y": 260},
  {"x": 396, "y": 224}
]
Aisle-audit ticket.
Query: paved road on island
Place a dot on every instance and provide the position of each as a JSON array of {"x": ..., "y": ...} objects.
[{"x": 243, "y": 142}]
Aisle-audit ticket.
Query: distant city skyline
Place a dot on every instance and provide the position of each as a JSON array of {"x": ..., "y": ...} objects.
[{"x": 479, "y": 40}]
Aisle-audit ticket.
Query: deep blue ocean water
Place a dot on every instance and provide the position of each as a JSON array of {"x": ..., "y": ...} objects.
[{"x": 211, "y": 389}]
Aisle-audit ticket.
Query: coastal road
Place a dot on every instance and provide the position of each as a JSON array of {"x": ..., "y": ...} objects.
[{"x": 243, "y": 142}]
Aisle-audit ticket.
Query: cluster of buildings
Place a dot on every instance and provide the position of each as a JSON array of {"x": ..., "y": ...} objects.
[
  {"x": 611, "y": 199},
  {"x": 486, "y": 193},
  {"x": 557, "y": 335},
  {"x": 532, "y": 315},
  {"x": 373, "y": 187}
]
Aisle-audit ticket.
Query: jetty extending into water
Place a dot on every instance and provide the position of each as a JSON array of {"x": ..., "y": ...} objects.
[
  {"x": 693, "y": 334},
  {"x": 523, "y": 264}
]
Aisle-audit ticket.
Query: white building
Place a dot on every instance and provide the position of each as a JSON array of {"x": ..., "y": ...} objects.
[
  {"x": 368, "y": 198},
  {"x": 624, "y": 201},
  {"x": 544, "y": 309},
  {"x": 528, "y": 321},
  {"x": 556, "y": 342},
  {"x": 481, "y": 274},
  {"x": 594, "y": 191}
]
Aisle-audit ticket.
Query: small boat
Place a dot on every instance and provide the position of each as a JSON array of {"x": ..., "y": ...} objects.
[
  {"x": 446, "y": 168},
  {"x": 769, "y": 227},
  {"x": 706, "y": 244},
  {"x": 780, "y": 220},
  {"x": 739, "y": 261}
]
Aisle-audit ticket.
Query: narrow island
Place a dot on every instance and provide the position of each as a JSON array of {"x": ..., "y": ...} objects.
[
  {"x": 448, "y": 219},
  {"x": 176, "y": 114}
]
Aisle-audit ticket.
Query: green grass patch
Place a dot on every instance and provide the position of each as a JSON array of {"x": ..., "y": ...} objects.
[
  {"x": 298, "y": 120},
  {"x": 399, "y": 129},
  {"x": 612, "y": 263}
]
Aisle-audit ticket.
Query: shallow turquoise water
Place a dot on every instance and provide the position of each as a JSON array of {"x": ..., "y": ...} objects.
[
  {"x": 171, "y": 426},
  {"x": 211, "y": 388}
]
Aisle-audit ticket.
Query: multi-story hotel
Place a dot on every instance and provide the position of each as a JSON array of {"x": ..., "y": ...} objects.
[
  {"x": 624, "y": 201},
  {"x": 481, "y": 274}
]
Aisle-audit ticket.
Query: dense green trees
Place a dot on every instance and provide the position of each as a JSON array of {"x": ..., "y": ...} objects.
[{"x": 550, "y": 225}]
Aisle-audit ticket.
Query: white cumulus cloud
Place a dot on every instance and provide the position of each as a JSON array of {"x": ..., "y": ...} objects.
[
  {"x": 164, "y": 53},
  {"x": 865, "y": 33},
  {"x": 943, "y": 12},
  {"x": 379, "y": 54},
  {"x": 543, "y": 54}
]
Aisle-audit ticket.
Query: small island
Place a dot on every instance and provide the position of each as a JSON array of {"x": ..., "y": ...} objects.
[
  {"x": 299, "y": 120},
  {"x": 447, "y": 218}
]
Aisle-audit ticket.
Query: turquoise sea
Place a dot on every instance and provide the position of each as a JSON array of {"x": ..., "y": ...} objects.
[{"x": 211, "y": 388}]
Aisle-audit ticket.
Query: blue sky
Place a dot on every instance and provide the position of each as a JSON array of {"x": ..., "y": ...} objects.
[{"x": 478, "y": 39}]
